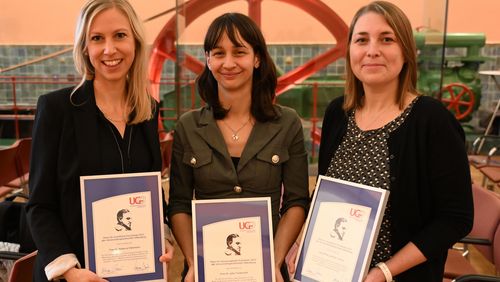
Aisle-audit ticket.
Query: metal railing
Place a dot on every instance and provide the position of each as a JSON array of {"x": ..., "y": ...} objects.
[{"x": 16, "y": 105}]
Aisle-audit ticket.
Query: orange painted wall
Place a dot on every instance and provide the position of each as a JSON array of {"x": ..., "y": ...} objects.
[{"x": 48, "y": 22}]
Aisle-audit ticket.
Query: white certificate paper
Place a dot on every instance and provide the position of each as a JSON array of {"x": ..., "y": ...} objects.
[
  {"x": 233, "y": 240},
  {"x": 335, "y": 241},
  {"x": 233, "y": 251},
  {"x": 123, "y": 226},
  {"x": 340, "y": 231}
]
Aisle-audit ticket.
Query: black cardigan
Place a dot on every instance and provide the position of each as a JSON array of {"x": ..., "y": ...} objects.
[{"x": 430, "y": 196}]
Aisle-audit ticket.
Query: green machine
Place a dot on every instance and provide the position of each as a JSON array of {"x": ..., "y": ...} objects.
[
  {"x": 460, "y": 90},
  {"x": 457, "y": 84}
]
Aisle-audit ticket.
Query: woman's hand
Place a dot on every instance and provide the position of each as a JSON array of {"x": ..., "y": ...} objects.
[
  {"x": 169, "y": 252},
  {"x": 76, "y": 274},
  {"x": 375, "y": 275}
]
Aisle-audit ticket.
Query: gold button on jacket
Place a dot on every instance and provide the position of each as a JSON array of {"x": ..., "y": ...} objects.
[
  {"x": 237, "y": 189},
  {"x": 274, "y": 156}
]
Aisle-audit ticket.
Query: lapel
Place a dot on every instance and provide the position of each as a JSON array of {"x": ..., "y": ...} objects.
[
  {"x": 260, "y": 136},
  {"x": 85, "y": 121},
  {"x": 210, "y": 133}
]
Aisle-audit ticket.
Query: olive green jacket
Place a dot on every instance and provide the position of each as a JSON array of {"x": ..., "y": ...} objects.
[{"x": 274, "y": 157}]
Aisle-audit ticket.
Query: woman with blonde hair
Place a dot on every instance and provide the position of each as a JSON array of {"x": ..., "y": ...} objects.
[
  {"x": 383, "y": 133},
  {"x": 107, "y": 124}
]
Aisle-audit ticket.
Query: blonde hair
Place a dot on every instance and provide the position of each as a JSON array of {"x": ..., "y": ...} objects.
[
  {"x": 398, "y": 21},
  {"x": 140, "y": 102}
]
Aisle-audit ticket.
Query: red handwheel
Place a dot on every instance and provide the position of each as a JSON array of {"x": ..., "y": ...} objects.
[
  {"x": 459, "y": 99},
  {"x": 164, "y": 46}
]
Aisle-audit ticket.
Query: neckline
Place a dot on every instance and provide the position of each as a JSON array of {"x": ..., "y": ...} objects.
[{"x": 360, "y": 132}]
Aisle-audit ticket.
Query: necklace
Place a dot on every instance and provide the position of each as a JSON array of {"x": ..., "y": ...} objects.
[
  {"x": 235, "y": 135},
  {"x": 122, "y": 120},
  {"x": 114, "y": 120},
  {"x": 372, "y": 122}
]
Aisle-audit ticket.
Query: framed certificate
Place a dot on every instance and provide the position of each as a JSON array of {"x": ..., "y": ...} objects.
[
  {"x": 233, "y": 240},
  {"x": 340, "y": 232},
  {"x": 123, "y": 226}
]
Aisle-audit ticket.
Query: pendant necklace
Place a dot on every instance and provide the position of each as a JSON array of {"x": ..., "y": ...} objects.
[{"x": 235, "y": 135}]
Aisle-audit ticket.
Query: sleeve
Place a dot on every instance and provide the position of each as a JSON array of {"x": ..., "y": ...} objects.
[
  {"x": 158, "y": 166},
  {"x": 42, "y": 209},
  {"x": 56, "y": 269},
  {"x": 181, "y": 175},
  {"x": 295, "y": 170},
  {"x": 450, "y": 184}
]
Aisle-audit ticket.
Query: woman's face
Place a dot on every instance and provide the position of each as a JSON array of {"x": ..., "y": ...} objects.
[
  {"x": 111, "y": 45},
  {"x": 376, "y": 56},
  {"x": 232, "y": 66}
]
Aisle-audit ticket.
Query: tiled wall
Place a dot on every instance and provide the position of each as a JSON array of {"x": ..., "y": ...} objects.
[{"x": 286, "y": 57}]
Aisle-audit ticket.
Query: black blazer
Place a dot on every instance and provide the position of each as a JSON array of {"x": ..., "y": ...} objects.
[{"x": 64, "y": 147}]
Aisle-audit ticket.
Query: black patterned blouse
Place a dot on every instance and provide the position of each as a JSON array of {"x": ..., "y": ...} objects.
[{"x": 363, "y": 157}]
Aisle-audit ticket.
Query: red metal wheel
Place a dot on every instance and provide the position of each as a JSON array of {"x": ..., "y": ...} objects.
[
  {"x": 164, "y": 45},
  {"x": 458, "y": 98}
]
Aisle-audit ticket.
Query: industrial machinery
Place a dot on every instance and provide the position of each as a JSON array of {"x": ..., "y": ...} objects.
[
  {"x": 456, "y": 83},
  {"x": 165, "y": 48},
  {"x": 458, "y": 74}
]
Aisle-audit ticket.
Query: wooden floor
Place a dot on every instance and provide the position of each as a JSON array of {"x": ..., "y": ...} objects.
[{"x": 481, "y": 264}]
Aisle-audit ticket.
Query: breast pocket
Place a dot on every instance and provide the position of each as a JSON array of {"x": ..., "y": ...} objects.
[
  {"x": 201, "y": 162},
  {"x": 269, "y": 164}
]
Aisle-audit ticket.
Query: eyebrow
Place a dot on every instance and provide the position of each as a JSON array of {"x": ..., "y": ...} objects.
[
  {"x": 382, "y": 33},
  {"x": 234, "y": 47},
  {"x": 114, "y": 31}
]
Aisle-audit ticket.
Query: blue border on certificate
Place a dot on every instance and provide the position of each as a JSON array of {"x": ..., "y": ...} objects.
[
  {"x": 102, "y": 187},
  {"x": 334, "y": 190},
  {"x": 212, "y": 212}
]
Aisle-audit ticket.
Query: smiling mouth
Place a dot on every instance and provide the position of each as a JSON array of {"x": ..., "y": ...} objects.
[
  {"x": 373, "y": 65},
  {"x": 230, "y": 75},
  {"x": 112, "y": 63}
]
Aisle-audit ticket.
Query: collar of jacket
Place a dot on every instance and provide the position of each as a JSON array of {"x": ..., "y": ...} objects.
[
  {"x": 261, "y": 134},
  {"x": 85, "y": 118},
  {"x": 85, "y": 121}
]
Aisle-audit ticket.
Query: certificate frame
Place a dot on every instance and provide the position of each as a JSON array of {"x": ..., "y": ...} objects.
[
  {"x": 340, "y": 202},
  {"x": 120, "y": 253},
  {"x": 213, "y": 220}
]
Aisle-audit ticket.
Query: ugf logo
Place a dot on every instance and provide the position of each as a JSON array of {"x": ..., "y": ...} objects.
[
  {"x": 246, "y": 225},
  {"x": 356, "y": 213},
  {"x": 136, "y": 200}
]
